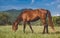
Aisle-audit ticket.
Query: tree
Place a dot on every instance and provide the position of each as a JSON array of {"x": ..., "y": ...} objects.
[
  {"x": 58, "y": 20},
  {"x": 4, "y": 18}
]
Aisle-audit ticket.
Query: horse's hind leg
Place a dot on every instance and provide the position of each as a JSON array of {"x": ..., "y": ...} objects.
[
  {"x": 45, "y": 26},
  {"x": 30, "y": 26},
  {"x": 24, "y": 26}
]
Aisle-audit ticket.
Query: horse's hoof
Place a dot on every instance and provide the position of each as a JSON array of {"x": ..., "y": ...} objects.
[
  {"x": 32, "y": 32},
  {"x": 24, "y": 32},
  {"x": 43, "y": 33}
]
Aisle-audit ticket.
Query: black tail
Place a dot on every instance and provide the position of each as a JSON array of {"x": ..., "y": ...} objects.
[{"x": 50, "y": 19}]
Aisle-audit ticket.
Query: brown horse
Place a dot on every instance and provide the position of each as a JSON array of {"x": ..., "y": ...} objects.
[{"x": 28, "y": 16}]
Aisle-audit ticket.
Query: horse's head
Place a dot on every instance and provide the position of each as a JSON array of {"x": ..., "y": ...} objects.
[{"x": 14, "y": 26}]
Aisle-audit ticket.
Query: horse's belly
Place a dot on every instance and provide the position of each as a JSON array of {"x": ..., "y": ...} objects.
[{"x": 33, "y": 19}]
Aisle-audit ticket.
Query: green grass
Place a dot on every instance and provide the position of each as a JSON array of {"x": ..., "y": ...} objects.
[{"x": 6, "y": 32}]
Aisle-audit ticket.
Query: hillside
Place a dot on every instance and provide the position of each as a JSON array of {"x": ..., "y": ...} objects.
[{"x": 12, "y": 14}]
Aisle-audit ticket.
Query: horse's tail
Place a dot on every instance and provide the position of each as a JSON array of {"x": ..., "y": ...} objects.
[{"x": 50, "y": 20}]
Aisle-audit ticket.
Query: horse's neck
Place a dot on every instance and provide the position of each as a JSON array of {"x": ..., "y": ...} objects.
[{"x": 18, "y": 19}]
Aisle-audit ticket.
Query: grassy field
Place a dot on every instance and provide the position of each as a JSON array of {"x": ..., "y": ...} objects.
[{"x": 6, "y": 32}]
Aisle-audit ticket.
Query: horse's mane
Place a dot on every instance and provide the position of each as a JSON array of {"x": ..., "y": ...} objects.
[{"x": 22, "y": 11}]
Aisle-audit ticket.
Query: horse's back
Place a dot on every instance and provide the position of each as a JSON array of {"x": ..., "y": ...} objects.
[{"x": 30, "y": 15}]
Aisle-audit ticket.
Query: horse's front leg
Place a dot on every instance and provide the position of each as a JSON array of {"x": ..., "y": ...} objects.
[{"x": 30, "y": 26}]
